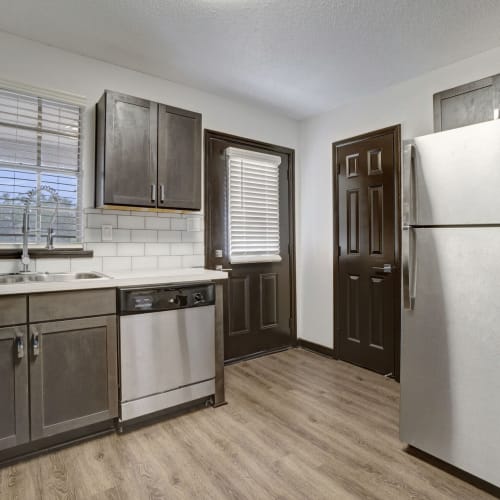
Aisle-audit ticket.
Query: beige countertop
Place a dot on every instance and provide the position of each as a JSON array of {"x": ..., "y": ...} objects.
[{"x": 116, "y": 280}]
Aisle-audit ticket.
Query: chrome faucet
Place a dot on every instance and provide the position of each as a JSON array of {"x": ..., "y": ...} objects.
[{"x": 25, "y": 258}]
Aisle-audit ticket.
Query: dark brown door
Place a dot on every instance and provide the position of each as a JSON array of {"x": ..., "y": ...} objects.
[
  {"x": 84, "y": 350},
  {"x": 179, "y": 158},
  {"x": 131, "y": 151},
  {"x": 258, "y": 297},
  {"x": 367, "y": 267}
]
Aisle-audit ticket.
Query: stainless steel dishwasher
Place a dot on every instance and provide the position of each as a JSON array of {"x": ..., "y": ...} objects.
[{"x": 167, "y": 347}]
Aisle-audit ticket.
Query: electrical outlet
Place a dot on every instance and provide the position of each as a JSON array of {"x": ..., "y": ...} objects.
[
  {"x": 106, "y": 232},
  {"x": 193, "y": 224}
]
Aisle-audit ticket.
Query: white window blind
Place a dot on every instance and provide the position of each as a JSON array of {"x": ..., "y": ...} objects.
[
  {"x": 253, "y": 206},
  {"x": 39, "y": 146}
]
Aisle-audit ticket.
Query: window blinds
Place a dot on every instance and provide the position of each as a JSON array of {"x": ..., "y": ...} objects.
[
  {"x": 253, "y": 206},
  {"x": 39, "y": 146}
]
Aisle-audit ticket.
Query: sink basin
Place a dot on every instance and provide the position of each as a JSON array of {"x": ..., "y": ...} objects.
[{"x": 48, "y": 277}]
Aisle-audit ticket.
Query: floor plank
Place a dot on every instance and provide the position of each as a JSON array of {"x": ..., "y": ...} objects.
[{"x": 297, "y": 426}]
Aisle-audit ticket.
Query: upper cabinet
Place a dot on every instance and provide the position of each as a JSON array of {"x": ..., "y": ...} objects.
[
  {"x": 148, "y": 155},
  {"x": 467, "y": 104}
]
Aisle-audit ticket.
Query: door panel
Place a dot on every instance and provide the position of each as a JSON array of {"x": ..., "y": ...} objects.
[
  {"x": 258, "y": 295},
  {"x": 85, "y": 351},
  {"x": 14, "y": 416},
  {"x": 179, "y": 158},
  {"x": 131, "y": 137},
  {"x": 366, "y": 293}
]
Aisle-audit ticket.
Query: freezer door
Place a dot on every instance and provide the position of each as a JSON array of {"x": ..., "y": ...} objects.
[
  {"x": 450, "y": 363},
  {"x": 456, "y": 176}
]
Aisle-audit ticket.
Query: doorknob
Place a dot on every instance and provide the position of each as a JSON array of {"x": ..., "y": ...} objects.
[{"x": 386, "y": 269}]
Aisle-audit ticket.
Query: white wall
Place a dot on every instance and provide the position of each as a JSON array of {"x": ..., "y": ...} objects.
[
  {"x": 410, "y": 104},
  {"x": 39, "y": 65}
]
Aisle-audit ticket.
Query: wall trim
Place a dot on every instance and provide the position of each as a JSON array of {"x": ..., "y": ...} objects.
[{"x": 317, "y": 348}]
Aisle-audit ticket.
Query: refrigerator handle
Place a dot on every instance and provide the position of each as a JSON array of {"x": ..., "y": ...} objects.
[
  {"x": 407, "y": 218},
  {"x": 408, "y": 175},
  {"x": 407, "y": 258}
]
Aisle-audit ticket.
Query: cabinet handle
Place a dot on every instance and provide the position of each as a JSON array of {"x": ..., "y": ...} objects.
[
  {"x": 162, "y": 193},
  {"x": 35, "y": 343},
  {"x": 153, "y": 192},
  {"x": 20, "y": 347}
]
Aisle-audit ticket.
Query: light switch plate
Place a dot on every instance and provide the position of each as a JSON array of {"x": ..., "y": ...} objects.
[
  {"x": 107, "y": 232},
  {"x": 193, "y": 224}
]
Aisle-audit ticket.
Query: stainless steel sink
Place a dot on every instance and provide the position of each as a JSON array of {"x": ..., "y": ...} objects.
[{"x": 48, "y": 277}]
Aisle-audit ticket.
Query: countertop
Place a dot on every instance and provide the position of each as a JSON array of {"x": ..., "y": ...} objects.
[{"x": 123, "y": 279}]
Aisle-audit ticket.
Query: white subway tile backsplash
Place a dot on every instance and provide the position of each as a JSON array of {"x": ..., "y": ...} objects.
[
  {"x": 193, "y": 261},
  {"x": 53, "y": 265},
  {"x": 194, "y": 224},
  {"x": 92, "y": 235},
  {"x": 169, "y": 261},
  {"x": 121, "y": 235},
  {"x": 181, "y": 249},
  {"x": 144, "y": 235},
  {"x": 130, "y": 249},
  {"x": 112, "y": 264},
  {"x": 150, "y": 262},
  {"x": 170, "y": 236},
  {"x": 86, "y": 265},
  {"x": 199, "y": 249},
  {"x": 157, "y": 249},
  {"x": 102, "y": 249},
  {"x": 194, "y": 237},
  {"x": 9, "y": 266},
  {"x": 115, "y": 212},
  {"x": 130, "y": 222},
  {"x": 178, "y": 224},
  {"x": 157, "y": 223},
  {"x": 97, "y": 220}
]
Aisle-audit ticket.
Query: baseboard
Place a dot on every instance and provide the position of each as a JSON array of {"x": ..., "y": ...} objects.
[{"x": 320, "y": 349}]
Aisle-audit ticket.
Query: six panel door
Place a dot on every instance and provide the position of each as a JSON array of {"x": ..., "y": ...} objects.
[
  {"x": 14, "y": 413},
  {"x": 366, "y": 264},
  {"x": 73, "y": 374}
]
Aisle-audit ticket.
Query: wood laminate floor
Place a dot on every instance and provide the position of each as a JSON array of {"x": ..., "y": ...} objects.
[{"x": 297, "y": 426}]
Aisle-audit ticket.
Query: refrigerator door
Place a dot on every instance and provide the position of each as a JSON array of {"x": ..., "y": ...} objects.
[
  {"x": 450, "y": 364},
  {"x": 456, "y": 176}
]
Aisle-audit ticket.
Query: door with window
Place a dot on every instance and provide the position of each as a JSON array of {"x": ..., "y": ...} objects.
[{"x": 249, "y": 216}]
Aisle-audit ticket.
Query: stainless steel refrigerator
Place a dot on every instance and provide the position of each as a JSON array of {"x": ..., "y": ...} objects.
[{"x": 450, "y": 361}]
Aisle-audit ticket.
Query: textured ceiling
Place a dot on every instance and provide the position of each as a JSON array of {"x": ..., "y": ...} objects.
[{"x": 300, "y": 57}]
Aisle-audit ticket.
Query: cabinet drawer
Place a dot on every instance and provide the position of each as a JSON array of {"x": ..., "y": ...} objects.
[
  {"x": 12, "y": 310},
  {"x": 66, "y": 305}
]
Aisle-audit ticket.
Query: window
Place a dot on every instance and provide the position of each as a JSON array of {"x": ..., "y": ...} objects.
[
  {"x": 253, "y": 206},
  {"x": 39, "y": 146}
]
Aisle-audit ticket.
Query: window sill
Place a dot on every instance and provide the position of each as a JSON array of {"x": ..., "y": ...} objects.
[{"x": 44, "y": 253}]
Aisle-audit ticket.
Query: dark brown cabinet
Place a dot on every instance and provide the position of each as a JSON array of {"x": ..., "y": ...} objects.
[
  {"x": 14, "y": 416},
  {"x": 73, "y": 374},
  {"x": 467, "y": 104},
  {"x": 148, "y": 155}
]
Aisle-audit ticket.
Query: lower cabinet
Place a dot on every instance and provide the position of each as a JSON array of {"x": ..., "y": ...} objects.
[
  {"x": 73, "y": 374},
  {"x": 14, "y": 407}
]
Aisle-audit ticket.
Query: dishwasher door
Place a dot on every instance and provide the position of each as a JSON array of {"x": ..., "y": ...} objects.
[{"x": 162, "y": 351}]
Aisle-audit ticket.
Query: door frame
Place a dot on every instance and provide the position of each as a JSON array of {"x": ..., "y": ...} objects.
[
  {"x": 271, "y": 148},
  {"x": 396, "y": 131}
]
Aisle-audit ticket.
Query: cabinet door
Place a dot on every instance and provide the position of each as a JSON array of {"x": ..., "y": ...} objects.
[
  {"x": 130, "y": 151},
  {"x": 14, "y": 416},
  {"x": 467, "y": 104},
  {"x": 73, "y": 374},
  {"x": 179, "y": 158}
]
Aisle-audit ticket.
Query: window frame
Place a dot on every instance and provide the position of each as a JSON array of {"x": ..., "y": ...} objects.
[{"x": 62, "y": 99}]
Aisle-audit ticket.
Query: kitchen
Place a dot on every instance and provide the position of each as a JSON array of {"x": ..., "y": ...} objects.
[{"x": 273, "y": 401}]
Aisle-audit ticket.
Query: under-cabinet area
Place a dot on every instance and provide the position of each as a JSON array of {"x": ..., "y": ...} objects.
[{"x": 60, "y": 357}]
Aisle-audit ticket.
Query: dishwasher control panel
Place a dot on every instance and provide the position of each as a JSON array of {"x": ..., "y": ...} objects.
[{"x": 165, "y": 298}]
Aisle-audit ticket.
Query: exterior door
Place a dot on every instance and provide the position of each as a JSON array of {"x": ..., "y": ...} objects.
[
  {"x": 367, "y": 283},
  {"x": 83, "y": 350},
  {"x": 259, "y": 296},
  {"x": 14, "y": 413}
]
